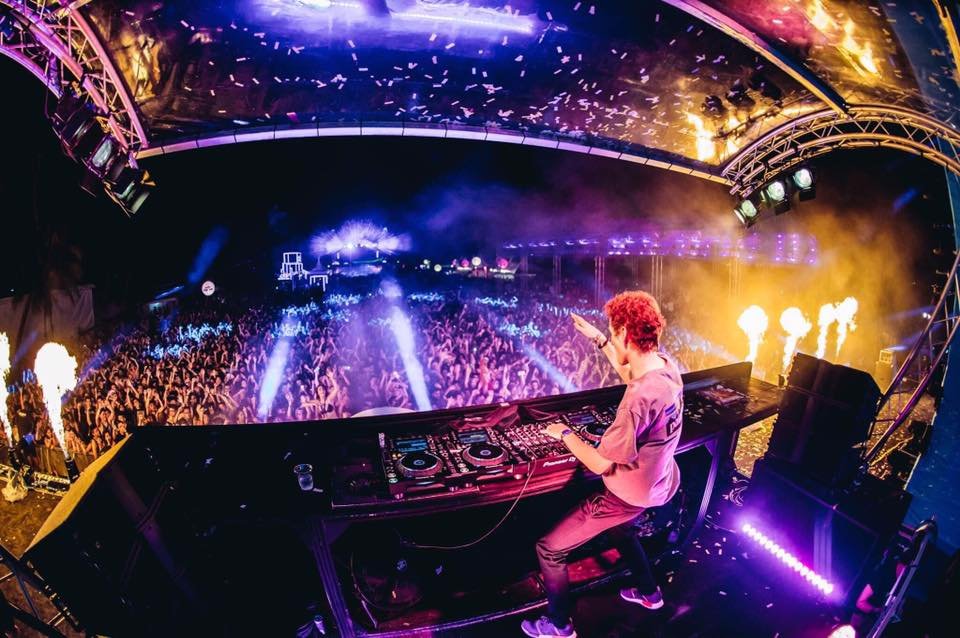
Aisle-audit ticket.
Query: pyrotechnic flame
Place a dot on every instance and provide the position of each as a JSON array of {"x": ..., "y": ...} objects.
[
  {"x": 796, "y": 326},
  {"x": 706, "y": 148},
  {"x": 753, "y": 321},
  {"x": 828, "y": 314},
  {"x": 859, "y": 54},
  {"x": 846, "y": 312},
  {"x": 4, "y": 369},
  {"x": 818, "y": 16},
  {"x": 56, "y": 373}
]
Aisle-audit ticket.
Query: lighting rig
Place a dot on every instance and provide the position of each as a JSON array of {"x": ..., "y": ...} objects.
[
  {"x": 777, "y": 195},
  {"x": 86, "y": 138}
]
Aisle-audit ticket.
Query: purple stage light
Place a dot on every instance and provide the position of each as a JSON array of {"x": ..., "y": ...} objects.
[
  {"x": 209, "y": 250},
  {"x": 788, "y": 559},
  {"x": 358, "y": 234},
  {"x": 843, "y": 631}
]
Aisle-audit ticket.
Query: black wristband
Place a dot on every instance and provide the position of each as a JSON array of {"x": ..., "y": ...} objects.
[{"x": 601, "y": 346}]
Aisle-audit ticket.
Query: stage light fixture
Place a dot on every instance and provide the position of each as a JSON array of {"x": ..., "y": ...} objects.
[
  {"x": 86, "y": 138},
  {"x": 67, "y": 107},
  {"x": 131, "y": 189},
  {"x": 788, "y": 559},
  {"x": 805, "y": 181},
  {"x": 107, "y": 159},
  {"x": 776, "y": 195},
  {"x": 713, "y": 107},
  {"x": 747, "y": 212},
  {"x": 82, "y": 134},
  {"x": 103, "y": 153},
  {"x": 775, "y": 191},
  {"x": 762, "y": 84},
  {"x": 803, "y": 178},
  {"x": 738, "y": 96}
]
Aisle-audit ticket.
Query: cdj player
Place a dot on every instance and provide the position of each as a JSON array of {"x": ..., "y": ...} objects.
[{"x": 455, "y": 460}]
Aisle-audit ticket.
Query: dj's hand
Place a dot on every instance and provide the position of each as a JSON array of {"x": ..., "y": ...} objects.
[
  {"x": 555, "y": 430},
  {"x": 584, "y": 327}
]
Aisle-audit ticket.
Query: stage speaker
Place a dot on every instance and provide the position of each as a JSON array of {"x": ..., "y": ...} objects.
[
  {"x": 826, "y": 411},
  {"x": 140, "y": 545},
  {"x": 841, "y": 536}
]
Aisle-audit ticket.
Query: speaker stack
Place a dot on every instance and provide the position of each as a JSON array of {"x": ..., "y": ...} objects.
[{"x": 803, "y": 491}]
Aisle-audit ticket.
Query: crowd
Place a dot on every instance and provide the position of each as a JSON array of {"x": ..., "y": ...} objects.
[{"x": 242, "y": 364}]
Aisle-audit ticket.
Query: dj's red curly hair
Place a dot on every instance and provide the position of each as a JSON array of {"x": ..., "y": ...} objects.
[{"x": 640, "y": 313}]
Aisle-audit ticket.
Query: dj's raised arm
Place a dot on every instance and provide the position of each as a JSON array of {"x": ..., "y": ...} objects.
[{"x": 602, "y": 342}]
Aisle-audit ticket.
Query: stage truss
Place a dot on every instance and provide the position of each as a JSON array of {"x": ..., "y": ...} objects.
[
  {"x": 919, "y": 367},
  {"x": 862, "y": 126},
  {"x": 868, "y": 126},
  {"x": 56, "y": 44}
]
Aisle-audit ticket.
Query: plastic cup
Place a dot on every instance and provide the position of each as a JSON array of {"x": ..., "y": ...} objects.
[{"x": 304, "y": 473}]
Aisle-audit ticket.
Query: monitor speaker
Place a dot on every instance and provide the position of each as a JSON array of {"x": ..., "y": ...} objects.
[
  {"x": 838, "y": 535},
  {"x": 825, "y": 413}
]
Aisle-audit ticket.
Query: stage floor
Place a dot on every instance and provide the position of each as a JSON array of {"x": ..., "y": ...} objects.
[{"x": 720, "y": 585}]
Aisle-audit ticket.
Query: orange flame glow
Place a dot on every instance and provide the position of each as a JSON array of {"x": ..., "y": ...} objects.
[
  {"x": 706, "y": 148},
  {"x": 858, "y": 52},
  {"x": 796, "y": 326},
  {"x": 846, "y": 312},
  {"x": 753, "y": 321},
  {"x": 861, "y": 54},
  {"x": 56, "y": 373},
  {"x": 819, "y": 17},
  {"x": 828, "y": 315}
]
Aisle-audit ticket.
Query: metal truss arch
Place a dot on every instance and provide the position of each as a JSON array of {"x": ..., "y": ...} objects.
[
  {"x": 58, "y": 46},
  {"x": 865, "y": 125}
]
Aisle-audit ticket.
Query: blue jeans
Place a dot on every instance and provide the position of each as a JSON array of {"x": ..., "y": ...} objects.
[{"x": 599, "y": 513}]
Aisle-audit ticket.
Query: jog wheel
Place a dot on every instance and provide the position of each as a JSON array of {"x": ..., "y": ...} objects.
[
  {"x": 593, "y": 432},
  {"x": 418, "y": 465},
  {"x": 484, "y": 455}
]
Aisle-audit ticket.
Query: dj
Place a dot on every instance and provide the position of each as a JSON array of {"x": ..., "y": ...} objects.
[{"x": 635, "y": 459}]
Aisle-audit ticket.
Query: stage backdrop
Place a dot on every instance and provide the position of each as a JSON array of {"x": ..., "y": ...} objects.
[{"x": 30, "y": 322}]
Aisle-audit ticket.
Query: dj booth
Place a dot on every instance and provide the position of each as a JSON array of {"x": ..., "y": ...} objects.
[{"x": 311, "y": 526}]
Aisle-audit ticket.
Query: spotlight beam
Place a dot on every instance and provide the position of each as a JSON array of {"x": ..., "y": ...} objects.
[
  {"x": 403, "y": 333},
  {"x": 277, "y": 364}
]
